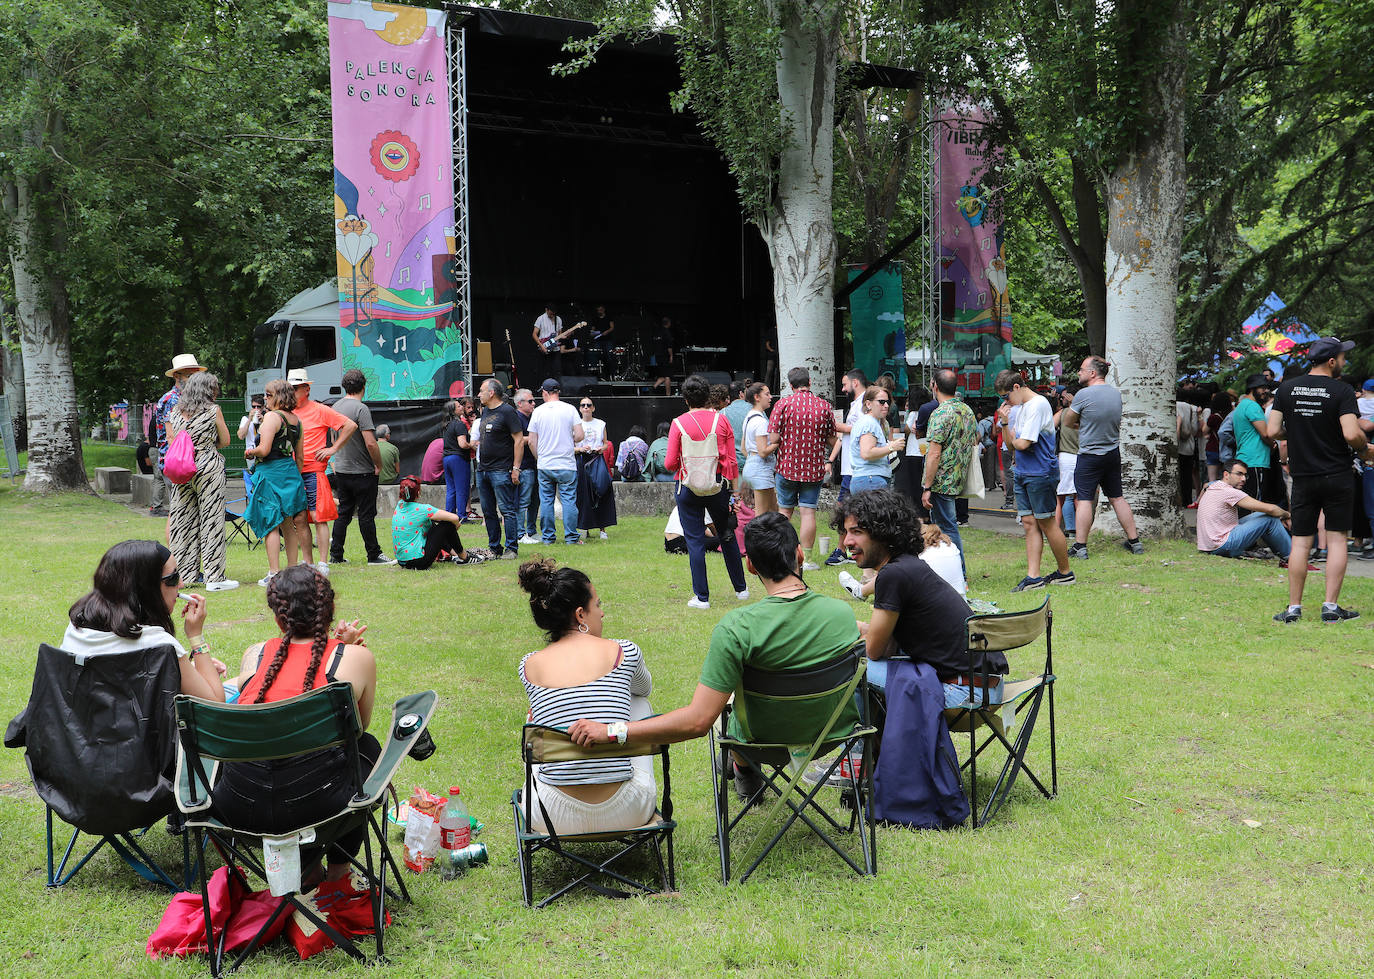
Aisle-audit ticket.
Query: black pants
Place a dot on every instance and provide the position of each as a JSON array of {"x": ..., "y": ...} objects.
[
  {"x": 357, "y": 493},
  {"x": 1185, "y": 479},
  {"x": 441, "y": 536},
  {"x": 907, "y": 481}
]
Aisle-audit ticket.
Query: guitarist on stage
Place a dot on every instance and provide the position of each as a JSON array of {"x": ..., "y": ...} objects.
[{"x": 548, "y": 334}]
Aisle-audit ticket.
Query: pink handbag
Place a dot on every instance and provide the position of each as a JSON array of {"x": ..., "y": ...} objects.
[{"x": 180, "y": 465}]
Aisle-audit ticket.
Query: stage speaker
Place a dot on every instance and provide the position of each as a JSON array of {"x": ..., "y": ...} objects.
[
  {"x": 716, "y": 377},
  {"x": 483, "y": 365},
  {"x": 576, "y": 385},
  {"x": 946, "y": 300}
]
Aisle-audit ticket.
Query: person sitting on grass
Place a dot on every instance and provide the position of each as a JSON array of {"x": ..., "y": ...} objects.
[
  {"x": 420, "y": 532},
  {"x": 580, "y": 673},
  {"x": 278, "y": 796},
  {"x": 793, "y": 627},
  {"x": 1221, "y": 530}
]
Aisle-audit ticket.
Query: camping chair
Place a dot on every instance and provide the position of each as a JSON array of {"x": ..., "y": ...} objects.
[
  {"x": 540, "y": 744},
  {"x": 235, "y": 522},
  {"x": 101, "y": 748},
  {"x": 323, "y": 718},
  {"x": 823, "y": 692},
  {"x": 1021, "y": 700}
]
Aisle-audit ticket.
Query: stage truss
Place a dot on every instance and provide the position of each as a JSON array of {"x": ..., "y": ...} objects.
[
  {"x": 462, "y": 270},
  {"x": 928, "y": 325}
]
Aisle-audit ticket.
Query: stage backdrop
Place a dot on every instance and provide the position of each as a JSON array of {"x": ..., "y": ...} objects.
[
  {"x": 975, "y": 309},
  {"x": 879, "y": 325},
  {"x": 393, "y": 198}
]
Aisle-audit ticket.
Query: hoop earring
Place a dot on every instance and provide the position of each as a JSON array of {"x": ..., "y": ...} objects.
[{"x": 582, "y": 628}]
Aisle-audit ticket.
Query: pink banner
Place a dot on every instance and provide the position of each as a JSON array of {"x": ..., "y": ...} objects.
[{"x": 393, "y": 197}]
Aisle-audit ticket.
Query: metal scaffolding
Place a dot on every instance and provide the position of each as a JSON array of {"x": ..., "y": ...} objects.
[
  {"x": 928, "y": 325},
  {"x": 462, "y": 269}
]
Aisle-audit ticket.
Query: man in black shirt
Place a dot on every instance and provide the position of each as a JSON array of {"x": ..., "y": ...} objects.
[
  {"x": 915, "y": 612},
  {"x": 1317, "y": 413},
  {"x": 500, "y": 454}
]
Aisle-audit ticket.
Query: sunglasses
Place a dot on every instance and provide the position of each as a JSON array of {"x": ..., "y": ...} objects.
[
  {"x": 172, "y": 580},
  {"x": 586, "y": 405},
  {"x": 882, "y": 401}
]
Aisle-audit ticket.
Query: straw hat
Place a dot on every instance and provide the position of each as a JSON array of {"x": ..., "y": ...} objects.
[
  {"x": 297, "y": 377},
  {"x": 184, "y": 362}
]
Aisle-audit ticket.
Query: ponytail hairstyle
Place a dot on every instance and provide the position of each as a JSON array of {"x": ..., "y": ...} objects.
[
  {"x": 410, "y": 489},
  {"x": 555, "y": 595},
  {"x": 303, "y": 602}
]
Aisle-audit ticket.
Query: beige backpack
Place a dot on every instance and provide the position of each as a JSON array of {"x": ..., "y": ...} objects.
[{"x": 700, "y": 459}]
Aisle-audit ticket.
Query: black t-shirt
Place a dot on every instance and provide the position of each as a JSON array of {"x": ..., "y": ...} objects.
[
  {"x": 144, "y": 466},
  {"x": 930, "y": 616},
  {"x": 1312, "y": 407},
  {"x": 455, "y": 429},
  {"x": 499, "y": 426}
]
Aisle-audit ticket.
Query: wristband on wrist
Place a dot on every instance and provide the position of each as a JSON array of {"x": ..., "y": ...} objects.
[{"x": 198, "y": 647}]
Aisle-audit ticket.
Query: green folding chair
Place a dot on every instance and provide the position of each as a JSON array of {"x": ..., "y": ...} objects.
[
  {"x": 816, "y": 700},
  {"x": 1018, "y": 711},
  {"x": 541, "y": 744},
  {"x": 327, "y": 717}
]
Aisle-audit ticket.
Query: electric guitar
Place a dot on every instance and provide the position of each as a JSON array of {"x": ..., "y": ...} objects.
[
  {"x": 551, "y": 344},
  {"x": 510, "y": 350}
]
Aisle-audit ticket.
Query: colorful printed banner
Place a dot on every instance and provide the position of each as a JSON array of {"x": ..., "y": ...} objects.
[
  {"x": 1266, "y": 332},
  {"x": 879, "y": 325},
  {"x": 393, "y": 198},
  {"x": 975, "y": 329}
]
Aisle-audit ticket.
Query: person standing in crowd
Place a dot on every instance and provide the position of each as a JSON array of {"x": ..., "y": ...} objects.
[
  {"x": 663, "y": 355},
  {"x": 529, "y": 472},
  {"x": 987, "y": 443},
  {"x": 457, "y": 453},
  {"x": 248, "y": 431},
  {"x": 1096, "y": 413},
  {"x": 1186, "y": 429},
  {"x": 595, "y": 498},
  {"x": 872, "y": 450},
  {"x": 357, "y": 464},
  {"x": 1027, "y": 424},
  {"x": 1318, "y": 415},
  {"x": 1250, "y": 429},
  {"x": 183, "y": 366},
  {"x": 735, "y": 412},
  {"x": 952, "y": 433},
  {"x": 700, "y": 424},
  {"x": 501, "y": 455},
  {"x": 391, "y": 457},
  {"x": 547, "y": 326},
  {"x": 1365, "y": 403},
  {"x": 277, "y": 510},
  {"x": 802, "y": 429},
  {"x": 554, "y": 430},
  {"x": 852, "y": 386},
  {"x": 1067, "y": 443},
  {"x": 317, "y": 421},
  {"x": 196, "y": 529},
  {"x": 1216, "y": 414},
  {"x": 658, "y": 454},
  {"x": 1221, "y": 530},
  {"x": 760, "y": 473}
]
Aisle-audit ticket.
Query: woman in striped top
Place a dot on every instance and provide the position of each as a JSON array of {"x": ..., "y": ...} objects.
[{"x": 580, "y": 674}]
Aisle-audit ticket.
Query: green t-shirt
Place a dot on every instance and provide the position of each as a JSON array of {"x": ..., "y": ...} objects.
[
  {"x": 658, "y": 455},
  {"x": 778, "y": 634},
  {"x": 391, "y": 462},
  {"x": 953, "y": 427},
  {"x": 1250, "y": 449}
]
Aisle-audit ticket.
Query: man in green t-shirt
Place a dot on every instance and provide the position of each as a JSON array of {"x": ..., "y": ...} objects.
[
  {"x": 950, "y": 435},
  {"x": 792, "y": 628},
  {"x": 1251, "y": 430},
  {"x": 391, "y": 457}
]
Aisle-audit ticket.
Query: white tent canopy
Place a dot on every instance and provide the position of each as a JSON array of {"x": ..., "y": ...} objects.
[{"x": 1024, "y": 358}]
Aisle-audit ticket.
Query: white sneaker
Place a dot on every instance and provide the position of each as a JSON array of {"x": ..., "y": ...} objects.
[
  {"x": 695, "y": 602},
  {"x": 810, "y": 566},
  {"x": 852, "y": 585},
  {"x": 742, "y": 595},
  {"x": 228, "y": 584},
  {"x": 605, "y": 536},
  {"x": 531, "y": 539},
  {"x": 266, "y": 579},
  {"x": 322, "y": 567}
]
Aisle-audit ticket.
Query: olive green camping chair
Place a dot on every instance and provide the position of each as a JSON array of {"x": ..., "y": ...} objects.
[
  {"x": 541, "y": 744},
  {"x": 327, "y": 717},
  {"x": 815, "y": 700},
  {"x": 1016, "y": 715}
]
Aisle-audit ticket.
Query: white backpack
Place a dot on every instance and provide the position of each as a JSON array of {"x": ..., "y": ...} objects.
[{"x": 700, "y": 459}]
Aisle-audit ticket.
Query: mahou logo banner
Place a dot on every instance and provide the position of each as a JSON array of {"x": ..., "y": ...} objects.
[{"x": 393, "y": 198}]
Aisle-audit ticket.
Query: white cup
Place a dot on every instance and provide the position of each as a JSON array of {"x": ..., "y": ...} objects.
[{"x": 823, "y": 543}]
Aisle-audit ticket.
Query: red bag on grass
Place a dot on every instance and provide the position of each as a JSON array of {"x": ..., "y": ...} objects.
[
  {"x": 182, "y": 929},
  {"x": 340, "y": 902}
]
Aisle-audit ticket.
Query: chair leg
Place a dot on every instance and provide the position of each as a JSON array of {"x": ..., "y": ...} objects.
[
  {"x": 721, "y": 786},
  {"x": 1054, "y": 762},
  {"x": 973, "y": 771}
]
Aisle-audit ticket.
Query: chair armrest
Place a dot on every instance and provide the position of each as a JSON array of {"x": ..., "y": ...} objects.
[
  {"x": 184, "y": 773},
  {"x": 394, "y": 750}
]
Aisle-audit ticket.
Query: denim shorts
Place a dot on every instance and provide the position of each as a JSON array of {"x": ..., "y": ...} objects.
[
  {"x": 862, "y": 484},
  {"x": 793, "y": 494},
  {"x": 1035, "y": 494},
  {"x": 758, "y": 474}
]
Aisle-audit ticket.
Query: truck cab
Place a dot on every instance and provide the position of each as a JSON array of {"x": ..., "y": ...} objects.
[{"x": 302, "y": 334}]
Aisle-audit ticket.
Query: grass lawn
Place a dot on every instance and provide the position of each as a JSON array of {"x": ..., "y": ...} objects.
[{"x": 1183, "y": 713}]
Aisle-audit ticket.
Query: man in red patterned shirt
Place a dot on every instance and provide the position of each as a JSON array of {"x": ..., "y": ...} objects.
[{"x": 802, "y": 426}]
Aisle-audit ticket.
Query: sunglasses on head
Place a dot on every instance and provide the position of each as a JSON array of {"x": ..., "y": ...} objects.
[{"x": 172, "y": 580}]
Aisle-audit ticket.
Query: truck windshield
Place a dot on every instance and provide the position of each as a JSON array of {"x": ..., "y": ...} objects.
[{"x": 267, "y": 346}]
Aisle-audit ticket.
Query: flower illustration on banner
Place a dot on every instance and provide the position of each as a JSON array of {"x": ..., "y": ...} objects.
[
  {"x": 395, "y": 155},
  {"x": 970, "y": 205}
]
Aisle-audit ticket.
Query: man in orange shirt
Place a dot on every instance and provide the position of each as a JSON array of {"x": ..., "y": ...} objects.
[{"x": 317, "y": 421}]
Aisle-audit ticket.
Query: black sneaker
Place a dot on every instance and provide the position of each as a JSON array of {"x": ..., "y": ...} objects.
[
  {"x": 1288, "y": 615},
  {"x": 160, "y": 511},
  {"x": 380, "y": 559},
  {"x": 1319, "y": 554},
  {"x": 1027, "y": 583},
  {"x": 748, "y": 781},
  {"x": 1367, "y": 554},
  {"x": 338, "y": 560},
  {"x": 1060, "y": 578},
  {"x": 1079, "y": 551},
  {"x": 1338, "y": 614},
  {"x": 838, "y": 557},
  {"x": 1134, "y": 546}
]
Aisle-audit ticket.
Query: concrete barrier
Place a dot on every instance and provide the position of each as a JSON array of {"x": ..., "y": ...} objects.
[
  {"x": 644, "y": 499},
  {"x": 389, "y": 496},
  {"x": 111, "y": 479},
  {"x": 141, "y": 488}
]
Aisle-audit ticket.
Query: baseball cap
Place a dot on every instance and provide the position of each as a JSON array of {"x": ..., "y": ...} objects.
[
  {"x": 551, "y": 385},
  {"x": 1257, "y": 381},
  {"x": 1368, "y": 385},
  {"x": 1328, "y": 347}
]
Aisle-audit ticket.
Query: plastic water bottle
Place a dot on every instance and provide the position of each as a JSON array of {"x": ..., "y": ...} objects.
[{"x": 455, "y": 833}]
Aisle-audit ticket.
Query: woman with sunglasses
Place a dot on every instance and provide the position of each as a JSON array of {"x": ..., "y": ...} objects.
[
  {"x": 871, "y": 468},
  {"x": 595, "y": 510},
  {"x": 130, "y": 608}
]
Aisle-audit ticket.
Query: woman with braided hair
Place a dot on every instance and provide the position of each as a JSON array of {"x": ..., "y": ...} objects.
[{"x": 280, "y": 796}]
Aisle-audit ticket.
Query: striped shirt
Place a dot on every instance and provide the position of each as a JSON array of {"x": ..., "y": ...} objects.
[{"x": 605, "y": 699}]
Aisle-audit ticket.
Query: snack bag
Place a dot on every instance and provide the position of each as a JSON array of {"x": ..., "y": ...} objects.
[{"x": 422, "y": 829}]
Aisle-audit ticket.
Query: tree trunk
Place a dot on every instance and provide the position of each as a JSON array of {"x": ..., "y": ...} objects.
[
  {"x": 1145, "y": 202},
  {"x": 798, "y": 228},
  {"x": 12, "y": 373},
  {"x": 55, "y": 462}
]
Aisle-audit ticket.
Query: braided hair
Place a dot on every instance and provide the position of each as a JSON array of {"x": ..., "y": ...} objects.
[{"x": 303, "y": 602}]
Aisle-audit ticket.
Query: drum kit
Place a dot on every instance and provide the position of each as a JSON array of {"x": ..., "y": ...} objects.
[{"x": 619, "y": 363}]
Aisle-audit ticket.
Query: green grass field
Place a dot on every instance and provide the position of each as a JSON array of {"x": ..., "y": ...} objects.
[{"x": 1184, "y": 712}]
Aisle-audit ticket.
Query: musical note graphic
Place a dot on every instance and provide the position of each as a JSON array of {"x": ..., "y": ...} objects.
[
  {"x": 393, "y": 378},
  {"x": 424, "y": 203},
  {"x": 399, "y": 345},
  {"x": 405, "y": 274}
]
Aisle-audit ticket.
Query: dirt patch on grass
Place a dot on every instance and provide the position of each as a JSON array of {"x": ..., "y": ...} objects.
[{"x": 16, "y": 790}]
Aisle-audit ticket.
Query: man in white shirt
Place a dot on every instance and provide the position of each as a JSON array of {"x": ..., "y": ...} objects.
[
  {"x": 546, "y": 327},
  {"x": 554, "y": 429},
  {"x": 853, "y": 386}
]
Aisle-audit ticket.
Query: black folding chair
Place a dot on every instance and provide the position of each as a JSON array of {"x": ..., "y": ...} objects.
[
  {"x": 100, "y": 745},
  {"x": 1019, "y": 708},
  {"x": 823, "y": 693},
  {"x": 237, "y": 525},
  {"x": 541, "y": 744},
  {"x": 323, "y": 718}
]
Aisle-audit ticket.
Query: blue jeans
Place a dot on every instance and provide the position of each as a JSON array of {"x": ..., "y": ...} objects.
[
  {"x": 495, "y": 490},
  {"x": 955, "y": 695},
  {"x": 844, "y": 488},
  {"x": 529, "y": 502},
  {"x": 1252, "y": 527},
  {"x": 943, "y": 510},
  {"x": 862, "y": 484},
  {"x": 457, "y": 470},
  {"x": 691, "y": 510},
  {"x": 564, "y": 483},
  {"x": 1367, "y": 477}
]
